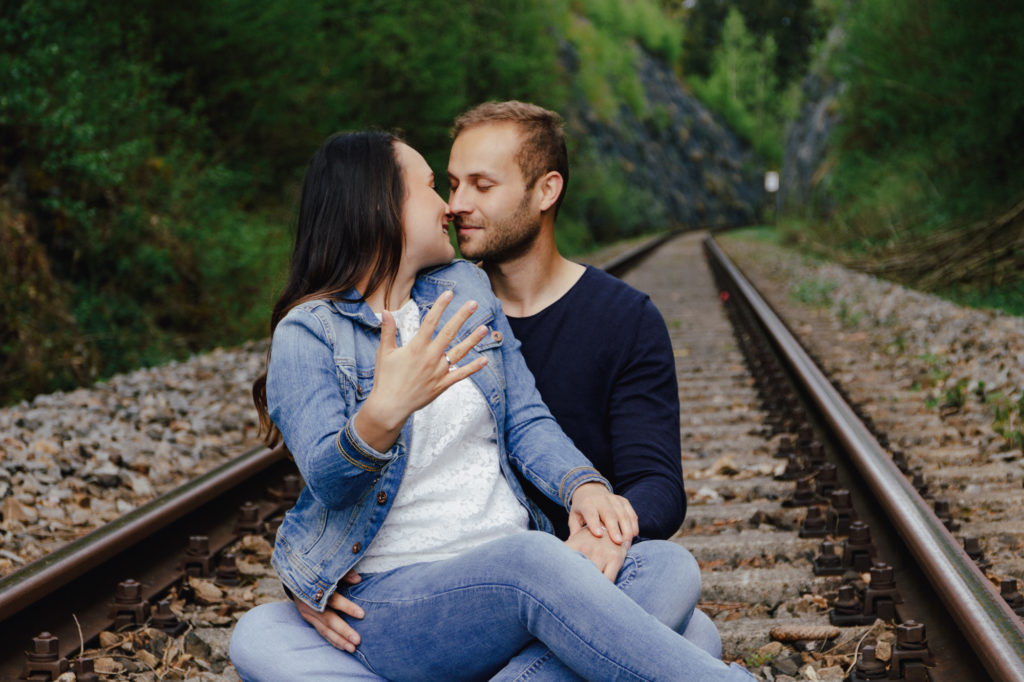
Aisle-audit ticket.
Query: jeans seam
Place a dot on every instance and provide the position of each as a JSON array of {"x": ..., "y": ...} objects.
[
  {"x": 599, "y": 654},
  {"x": 637, "y": 567},
  {"x": 535, "y": 667}
]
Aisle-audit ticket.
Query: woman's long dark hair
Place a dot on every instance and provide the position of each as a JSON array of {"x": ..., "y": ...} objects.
[{"x": 350, "y": 225}]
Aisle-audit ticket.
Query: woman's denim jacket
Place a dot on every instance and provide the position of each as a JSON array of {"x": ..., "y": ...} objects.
[{"x": 321, "y": 371}]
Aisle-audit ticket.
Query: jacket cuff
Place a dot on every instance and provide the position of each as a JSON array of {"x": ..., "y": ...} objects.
[
  {"x": 576, "y": 477},
  {"x": 356, "y": 451}
]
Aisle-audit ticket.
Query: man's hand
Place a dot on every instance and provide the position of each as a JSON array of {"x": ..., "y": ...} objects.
[
  {"x": 597, "y": 509},
  {"x": 329, "y": 624},
  {"x": 607, "y": 555}
]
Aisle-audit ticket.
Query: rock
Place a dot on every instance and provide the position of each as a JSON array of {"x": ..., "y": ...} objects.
[
  {"x": 13, "y": 510},
  {"x": 211, "y": 645},
  {"x": 770, "y": 649}
]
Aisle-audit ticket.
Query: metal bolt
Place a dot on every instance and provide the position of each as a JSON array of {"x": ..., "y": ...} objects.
[
  {"x": 128, "y": 592},
  {"x": 869, "y": 667},
  {"x": 813, "y": 525},
  {"x": 858, "y": 551},
  {"x": 85, "y": 670},
  {"x": 841, "y": 513},
  {"x": 44, "y": 661},
  {"x": 920, "y": 485},
  {"x": 1010, "y": 593},
  {"x": 826, "y": 480},
  {"x": 803, "y": 496},
  {"x": 828, "y": 562},
  {"x": 882, "y": 576},
  {"x": 165, "y": 620},
  {"x": 227, "y": 570},
  {"x": 45, "y": 647},
  {"x": 292, "y": 487},
  {"x": 248, "y": 522},
  {"x": 128, "y": 607},
  {"x": 910, "y": 635},
  {"x": 198, "y": 560},
  {"x": 899, "y": 458},
  {"x": 973, "y": 548}
]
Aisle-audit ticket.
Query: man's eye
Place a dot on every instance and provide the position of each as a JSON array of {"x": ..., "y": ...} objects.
[{"x": 484, "y": 188}]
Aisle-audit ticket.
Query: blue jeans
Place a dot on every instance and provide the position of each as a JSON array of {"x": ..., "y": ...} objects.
[{"x": 479, "y": 615}]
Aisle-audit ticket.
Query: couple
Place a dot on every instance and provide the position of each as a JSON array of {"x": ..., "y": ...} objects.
[{"x": 425, "y": 517}]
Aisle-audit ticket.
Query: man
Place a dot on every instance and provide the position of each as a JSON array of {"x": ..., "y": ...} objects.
[{"x": 602, "y": 359}]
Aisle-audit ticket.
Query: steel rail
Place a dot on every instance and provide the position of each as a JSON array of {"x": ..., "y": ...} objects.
[
  {"x": 995, "y": 633},
  {"x": 45, "y": 575},
  {"x": 626, "y": 261}
]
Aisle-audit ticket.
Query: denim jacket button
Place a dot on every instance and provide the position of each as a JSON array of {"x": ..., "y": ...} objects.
[
  {"x": 496, "y": 335},
  {"x": 319, "y": 595},
  {"x": 356, "y": 547},
  {"x": 382, "y": 497}
]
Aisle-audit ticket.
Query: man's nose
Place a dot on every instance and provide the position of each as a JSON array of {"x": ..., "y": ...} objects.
[{"x": 457, "y": 202}]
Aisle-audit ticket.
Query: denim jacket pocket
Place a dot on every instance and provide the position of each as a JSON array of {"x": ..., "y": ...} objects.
[
  {"x": 490, "y": 348},
  {"x": 356, "y": 383}
]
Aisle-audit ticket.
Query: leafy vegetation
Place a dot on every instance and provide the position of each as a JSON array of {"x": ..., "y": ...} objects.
[
  {"x": 150, "y": 152},
  {"x": 925, "y": 175},
  {"x": 744, "y": 88}
]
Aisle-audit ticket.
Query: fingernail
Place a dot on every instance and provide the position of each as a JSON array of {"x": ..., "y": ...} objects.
[
  {"x": 448, "y": 294},
  {"x": 471, "y": 305}
]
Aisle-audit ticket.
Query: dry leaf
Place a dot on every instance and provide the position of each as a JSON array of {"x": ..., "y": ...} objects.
[
  {"x": 107, "y": 666},
  {"x": 205, "y": 590},
  {"x": 109, "y": 640},
  {"x": 147, "y": 658}
]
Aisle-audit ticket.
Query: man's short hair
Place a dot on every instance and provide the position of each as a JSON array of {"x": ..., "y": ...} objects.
[{"x": 542, "y": 148}]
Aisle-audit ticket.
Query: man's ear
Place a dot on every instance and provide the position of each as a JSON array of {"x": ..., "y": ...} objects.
[{"x": 550, "y": 187}]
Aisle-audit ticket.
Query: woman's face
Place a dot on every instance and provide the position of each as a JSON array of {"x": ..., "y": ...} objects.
[{"x": 424, "y": 214}]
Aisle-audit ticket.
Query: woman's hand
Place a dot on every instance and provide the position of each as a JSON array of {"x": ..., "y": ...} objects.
[
  {"x": 329, "y": 624},
  {"x": 597, "y": 509},
  {"x": 410, "y": 377}
]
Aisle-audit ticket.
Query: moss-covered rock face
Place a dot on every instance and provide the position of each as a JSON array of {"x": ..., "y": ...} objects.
[{"x": 677, "y": 164}]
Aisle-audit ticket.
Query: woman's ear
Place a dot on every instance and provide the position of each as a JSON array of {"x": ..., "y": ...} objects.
[{"x": 550, "y": 186}]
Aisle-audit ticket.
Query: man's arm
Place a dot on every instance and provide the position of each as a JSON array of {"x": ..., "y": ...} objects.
[{"x": 644, "y": 429}]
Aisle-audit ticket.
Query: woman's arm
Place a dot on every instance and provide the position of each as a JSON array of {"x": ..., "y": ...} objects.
[
  {"x": 313, "y": 407},
  {"x": 338, "y": 444},
  {"x": 547, "y": 457}
]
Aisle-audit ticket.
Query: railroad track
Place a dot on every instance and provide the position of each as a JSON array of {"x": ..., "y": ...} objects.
[{"x": 750, "y": 434}]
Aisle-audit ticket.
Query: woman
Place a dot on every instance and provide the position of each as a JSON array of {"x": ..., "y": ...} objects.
[{"x": 411, "y": 472}]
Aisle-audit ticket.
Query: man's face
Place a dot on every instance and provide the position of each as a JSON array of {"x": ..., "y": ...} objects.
[{"x": 496, "y": 217}]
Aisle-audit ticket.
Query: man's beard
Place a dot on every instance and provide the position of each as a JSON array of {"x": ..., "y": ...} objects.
[{"x": 510, "y": 238}]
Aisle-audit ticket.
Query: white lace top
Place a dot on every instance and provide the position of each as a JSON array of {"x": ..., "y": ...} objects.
[{"x": 453, "y": 495}]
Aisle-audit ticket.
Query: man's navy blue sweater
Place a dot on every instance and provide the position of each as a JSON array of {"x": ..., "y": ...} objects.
[{"x": 603, "y": 363}]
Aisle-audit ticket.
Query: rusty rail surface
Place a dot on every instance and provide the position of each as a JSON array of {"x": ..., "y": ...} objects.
[{"x": 989, "y": 624}]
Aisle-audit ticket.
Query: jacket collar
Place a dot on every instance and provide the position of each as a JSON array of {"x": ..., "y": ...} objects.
[{"x": 425, "y": 290}]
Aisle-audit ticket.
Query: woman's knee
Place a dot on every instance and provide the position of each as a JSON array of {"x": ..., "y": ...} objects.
[
  {"x": 260, "y": 640},
  {"x": 674, "y": 563}
]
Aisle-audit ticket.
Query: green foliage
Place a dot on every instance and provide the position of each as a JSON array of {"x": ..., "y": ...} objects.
[
  {"x": 158, "y": 148},
  {"x": 607, "y": 73},
  {"x": 930, "y": 128},
  {"x": 150, "y": 152},
  {"x": 641, "y": 20},
  {"x": 743, "y": 87},
  {"x": 793, "y": 25},
  {"x": 815, "y": 292},
  {"x": 606, "y": 202}
]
